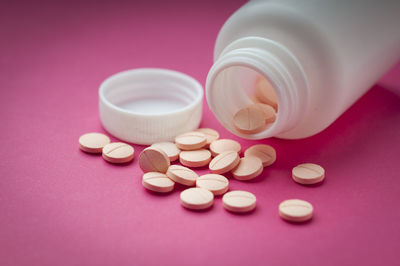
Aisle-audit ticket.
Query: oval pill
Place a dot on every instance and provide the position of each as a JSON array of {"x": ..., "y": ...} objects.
[
  {"x": 224, "y": 162},
  {"x": 265, "y": 93},
  {"x": 197, "y": 198},
  {"x": 169, "y": 148},
  {"x": 191, "y": 141},
  {"x": 93, "y": 142},
  {"x": 118, "y": 152},
  {"x": 196, "y": 158},
  {"x": 217, "y": 184},
  {"x": 249, "y": 120},
  {"x": 153, "y": 159},
  {"x": 210, "y": 134},
  {"x": 308, "y": 173},
  {"x": 157, "y": 182},
  {"x": 248, "y": 168},
  {"x": 182, "y": 175},
  {"x": 265, "y": 153},
  {"x": 239, "y": 201},
  {"x": 295, "y": 210},
  {"x": 221, "y": 145}
]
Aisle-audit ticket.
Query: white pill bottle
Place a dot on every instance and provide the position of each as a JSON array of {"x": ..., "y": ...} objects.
[{"x": 320, "y": 56}]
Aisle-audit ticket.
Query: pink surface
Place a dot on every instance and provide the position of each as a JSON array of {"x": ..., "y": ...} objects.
[{"x": 60, "y": 206}]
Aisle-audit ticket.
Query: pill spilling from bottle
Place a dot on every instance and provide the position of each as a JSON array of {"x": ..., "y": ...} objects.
[{"x": 201, "y": 148}]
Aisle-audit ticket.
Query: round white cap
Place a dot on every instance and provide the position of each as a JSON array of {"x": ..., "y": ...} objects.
[{"x": 148, "y": 105}]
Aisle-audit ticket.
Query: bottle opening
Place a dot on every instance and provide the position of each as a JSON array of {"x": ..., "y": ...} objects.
[{"x": 253, "y": 102}]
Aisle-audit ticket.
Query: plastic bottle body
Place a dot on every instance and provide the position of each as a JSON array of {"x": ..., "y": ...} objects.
[{"x": 320, "y": 56}]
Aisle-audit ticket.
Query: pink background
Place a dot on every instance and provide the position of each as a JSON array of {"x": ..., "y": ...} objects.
[{"x": 60, "y": 206}]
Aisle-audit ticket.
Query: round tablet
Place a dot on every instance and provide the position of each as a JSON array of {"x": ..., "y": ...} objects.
[
  {"x": 157, "y": 182},
  {"x": 153, "y": 159},
  {"x": 221, "y": 145},
  {"x": 210, "y": 134},
  {"x": 191, "y": 141},
  {"x": 224, "y": 162},
  {"x": 249, "y": 120},
  {"x": 249, "y": 167},
  {"x": 118, "y": 152},
  {"x": 308, "y": 173},
  {"x": 268, "y": 111},
  {"x": 197, "y": 158},
  {"x": 93, "y": 142},
  {"x": 265, "y": 93},
  {"x": 239, "y": 201},
  {"x": 264, "y": 152},
  {"x": 197, "y": 198},
  {"x": 295, "y": 210},
  {"x": 182, "y": 175},
  {"x": 217, "y": 184},
  {"x": 169, "y": 148}
]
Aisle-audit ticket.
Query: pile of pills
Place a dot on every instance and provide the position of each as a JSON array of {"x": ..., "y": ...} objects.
[
  {"x": 201, "y": 148},
  {"x": 259, "y": 115}
]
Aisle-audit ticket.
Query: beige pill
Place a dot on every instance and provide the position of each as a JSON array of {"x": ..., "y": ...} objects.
[
  {"x": 157, "y": 182},
  {"x": 118, "y": 152},
  {"x": 153, "y": 159},
  {"x": 197, "y": 158},
  {"x": 169, "y": 148},
  {"x": 249, "y": 120},
  {"x": 93, "y": 142},
  {"x": 217, "y": 184},
  {"x": 268, "y": 111},
  {"x": 221, "y": 145},
  {"x": 182, "y": 175},
  {"x": 224, "y": 162},
  {"x": 308, "y": 173},
  {"x": 248, "y": 168},
  {"x": 265, "y": 93},
  {"x": 295, "y": 210},
  {"x": 191, "y": 141},
  {"x": 197, "y": 198},
  {"x": 239, "y": 201},
  {"x": 265, "y": 153},
  {"x": 210, "y": 134}
]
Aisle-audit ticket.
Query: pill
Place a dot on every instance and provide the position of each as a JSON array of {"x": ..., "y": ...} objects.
[
  {"x": 169, "y": 148},
  {"x": 217, "y": 184},
  {"x": 249, "y": 120},
  {"x": 248, "y": 168},
  {"x": 118, "y": 152},
  {"x": 153, "y": 159},
  {"x": 191, "y": 141},
  {"x": 210, "y": 134},
  {"x": 197, "y": 158},
  {"x": 295, "y": 210},
  {"x": 93, "y": 142},
  {"x": 308, "y": 173},
  {"x": 182, "y": 175},
  {"x": 265, "y": 93},
  {"x": 239, "y": 201},
  {"x": 264, "y": 152},
  {"x": 221, "y": 145},
  {"x": 157, "y": 182},
  {"x": 196, "y": 198},
  {"x": 224, "y": 162},
  {"x": 268, "y": 111}
]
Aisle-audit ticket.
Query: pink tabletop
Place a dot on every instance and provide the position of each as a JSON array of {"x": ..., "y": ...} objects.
[{"x": 60, "y": 206}]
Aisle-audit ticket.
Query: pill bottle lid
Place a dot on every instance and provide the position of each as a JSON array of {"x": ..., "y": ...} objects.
[{"x": 148, "y": 105}]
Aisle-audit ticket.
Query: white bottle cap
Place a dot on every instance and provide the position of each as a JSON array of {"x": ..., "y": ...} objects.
[{"x": 149, "y": 105}]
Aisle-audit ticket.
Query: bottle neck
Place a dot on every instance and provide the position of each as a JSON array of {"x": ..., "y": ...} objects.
[{"x": 230, "y": 83}]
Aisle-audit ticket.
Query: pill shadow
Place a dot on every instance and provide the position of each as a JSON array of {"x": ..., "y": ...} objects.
[
  {"x": 252, "y": 212},
  {"x": 305, "y": 223},
  {"x": 159, "y": 194},
  {"x": 199, "y": 211},
  {"x": 119, "y": 164}
]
